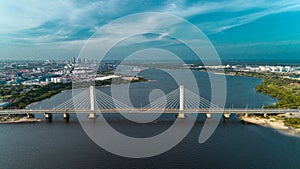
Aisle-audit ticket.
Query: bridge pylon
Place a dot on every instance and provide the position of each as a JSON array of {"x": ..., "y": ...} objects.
[
  {"x": 181, "y": 103},
  {"x": 92, "y": 102}
]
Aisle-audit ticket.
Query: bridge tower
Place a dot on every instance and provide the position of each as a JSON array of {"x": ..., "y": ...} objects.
[
  {"x": 181, "y": 103},
  {"x": 92, "y": 102}
]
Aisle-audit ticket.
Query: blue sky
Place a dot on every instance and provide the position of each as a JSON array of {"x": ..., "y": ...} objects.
[{"x": 239, "y": 29}]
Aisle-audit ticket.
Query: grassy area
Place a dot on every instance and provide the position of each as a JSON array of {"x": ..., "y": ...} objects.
[
  {"x": 293, "y": 122},
  {"x": 287, "y": 91},
  {"x": 9, "y": 118},
  {"x": 39, "y": 93}
]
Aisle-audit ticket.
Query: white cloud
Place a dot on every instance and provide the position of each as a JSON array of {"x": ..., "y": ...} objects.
[
  {"x": 260, "y": 9},
  {"x": 23, "y": 14},
  {"x": 71, "y": 16},
  {"x": 26, "y": 14}
]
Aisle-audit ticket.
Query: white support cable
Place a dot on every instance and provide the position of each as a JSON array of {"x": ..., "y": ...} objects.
[
  {"x": 204, "y": 104},
  {"x": 120, "y": 104},
  {"x": 191, "y": 102},
  {"x": 116, "y": 102},
  {"x": 101, "y": 105},
  {"x": 84, "y": 104},
  {"x": 176, "y": 104},
  {"x": 168, "y": 101},
  {"x": 105, "y": 102},
  {"x": 69, "y": 101},
  {"x": 158, "y": 101},
  {"x": 204, "y": 101},
  {"x": 159, "y": 104},
  {"x": 171, "y": 103}
]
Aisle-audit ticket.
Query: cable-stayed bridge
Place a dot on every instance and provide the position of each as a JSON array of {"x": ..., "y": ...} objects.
[{"x": 92, "y": 101}]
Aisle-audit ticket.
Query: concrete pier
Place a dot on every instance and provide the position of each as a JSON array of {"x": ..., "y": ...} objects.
[
  {"x": 208, "y": 115},
  {"x": 226, "y": 115},
  {"x": 92, "y": 116},
  {"x": 92, "y": 102},
  {"x": 30, "y": 115},
  {"x": 48, "y": 117},
  {"x": 265, "y": 115},
  {"x": 181, "y": 103},
  {"x": 181, "y": 116},
  {"x": 66, "y": 116},
  {"x": 246, "y": 115}
]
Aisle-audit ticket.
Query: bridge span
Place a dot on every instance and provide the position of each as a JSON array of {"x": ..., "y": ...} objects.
[
  {"x": 139, "y": 110},
  {"x": 92, "y": 101}
]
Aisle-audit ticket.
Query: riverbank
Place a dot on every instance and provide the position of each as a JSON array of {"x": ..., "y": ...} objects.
[
  {"x": 17, "y": 119},
  {"x": 26, "y": 100},
  {"x": 285, "y": 90},
  {"x": 276, "y": 122}
]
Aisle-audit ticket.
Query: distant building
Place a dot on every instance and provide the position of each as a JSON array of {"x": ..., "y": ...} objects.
[
  {"x": 85, "y": 60},
  {"x": 107, "y": 77},
  {"x": 72, "y": 60},
  {"x": 4, "y": 105}
]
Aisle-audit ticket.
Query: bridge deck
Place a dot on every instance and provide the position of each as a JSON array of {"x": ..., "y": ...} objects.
[{"x": 199, "y": 111}]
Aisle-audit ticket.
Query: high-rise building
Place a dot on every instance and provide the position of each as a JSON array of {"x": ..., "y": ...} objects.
[
  {"x": 72, "y": 60},
  {"x": 85, "y": 60},
  {"x": 78, "y": 60}
]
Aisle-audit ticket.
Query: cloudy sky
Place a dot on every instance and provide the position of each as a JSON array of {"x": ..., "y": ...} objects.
[{"x": 239, "y": 29}]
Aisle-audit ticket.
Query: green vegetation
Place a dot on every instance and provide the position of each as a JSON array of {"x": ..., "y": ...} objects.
[
  {"x": 39, "y": 93},
  {"x": 116, "y": 81},
  {"x": 287, "y": 91},
  {"x": 5, "y": 118},
  {"x": 22, "y": 95},
  {"x": 9, "y": 92},
  {"x": 290, "y": 121}
]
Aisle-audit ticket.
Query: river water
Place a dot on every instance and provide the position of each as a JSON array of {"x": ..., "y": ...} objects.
[{"x": 233, "y": 144}]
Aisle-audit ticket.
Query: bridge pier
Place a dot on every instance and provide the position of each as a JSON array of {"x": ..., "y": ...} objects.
[
  {"x": 30, "y": 115},
  {"x": 208, "y": 115},
  {"x": 265, "y": 115},
  {"x": 92, "y": 102},
  {"x": 246, "y": 115},
  {"x": 48, "y": 117},
  {"x": 66, "y": 116},
  {"x": 181, "y": 103},
  {"x": 226, "y": 115},
  {"x": 92, "y": 116},
  {"x": 181, "y": 115}
]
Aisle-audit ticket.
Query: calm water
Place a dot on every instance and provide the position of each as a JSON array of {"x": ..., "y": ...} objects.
[{"x": 233, "y": 145}]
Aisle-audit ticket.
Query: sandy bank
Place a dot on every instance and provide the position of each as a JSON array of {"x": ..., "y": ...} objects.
[
  {"x": 271, "y": 122},
  {"x": 8, "y": 120}
]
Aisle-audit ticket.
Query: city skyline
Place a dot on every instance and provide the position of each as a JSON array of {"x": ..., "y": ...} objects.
[{"x": 254, "y": 30}]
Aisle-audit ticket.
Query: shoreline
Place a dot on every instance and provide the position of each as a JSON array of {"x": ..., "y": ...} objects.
[
  {"x": 270, "y": 121},
  {"x": 6, "y": 119},
  {"x": 273, "y": 123},
  {"x": 13, "y": 120}
]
